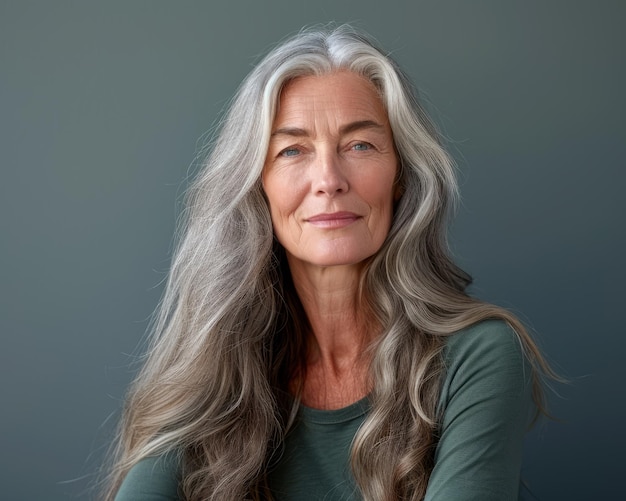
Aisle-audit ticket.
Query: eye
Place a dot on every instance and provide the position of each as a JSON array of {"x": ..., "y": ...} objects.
[
  {"x": 292, "y": 151},
  {"x": 362, "y": 146}
]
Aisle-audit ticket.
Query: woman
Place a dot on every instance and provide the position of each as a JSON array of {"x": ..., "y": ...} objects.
[{"x": 315, "y": 340}]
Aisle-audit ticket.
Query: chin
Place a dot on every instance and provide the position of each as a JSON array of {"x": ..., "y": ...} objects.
[{"x": 327, "y": 260}]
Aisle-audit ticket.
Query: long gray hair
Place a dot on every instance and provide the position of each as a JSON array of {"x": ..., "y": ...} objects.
[{"x": 230, "y": 332}]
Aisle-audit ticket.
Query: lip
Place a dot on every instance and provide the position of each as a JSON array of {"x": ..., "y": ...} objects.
[{"x": 333, "y": 219}]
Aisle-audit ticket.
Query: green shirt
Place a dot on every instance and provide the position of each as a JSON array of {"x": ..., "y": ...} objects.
[{"x": 487, "y": 406}]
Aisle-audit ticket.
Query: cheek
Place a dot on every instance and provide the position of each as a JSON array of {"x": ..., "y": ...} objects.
[
  {"x": 281, "y": 201},
  {"x": 381, "y": 193},
  {"x": 282, "y": 207},
  {"x": 382, "y": 210}
]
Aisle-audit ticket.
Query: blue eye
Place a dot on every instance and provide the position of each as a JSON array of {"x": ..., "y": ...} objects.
[
  {"x": 289, "y": 152},
  {"x": 361, "y": 146}
]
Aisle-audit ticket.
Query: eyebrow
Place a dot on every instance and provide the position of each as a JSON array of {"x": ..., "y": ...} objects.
[{"x": 344, "y": 129}]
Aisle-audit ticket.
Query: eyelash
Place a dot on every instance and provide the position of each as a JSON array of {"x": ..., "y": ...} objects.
[
  {"x": 368, "y": 146},
  {"x": 284, "y": 153}
]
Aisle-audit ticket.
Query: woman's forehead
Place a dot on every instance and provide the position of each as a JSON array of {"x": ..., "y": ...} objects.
[{"x": 342, "y": 96}]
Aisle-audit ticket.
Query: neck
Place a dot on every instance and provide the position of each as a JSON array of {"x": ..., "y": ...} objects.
[{"x": 341, "y": 329}]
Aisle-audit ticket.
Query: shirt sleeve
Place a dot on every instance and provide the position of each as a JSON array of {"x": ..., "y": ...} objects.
[
  {"x": 487, "y": 407},
  {"x": 152, "y": 479}
]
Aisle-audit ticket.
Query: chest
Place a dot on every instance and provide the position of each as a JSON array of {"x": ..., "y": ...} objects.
[{"x": 315, "y": 463}]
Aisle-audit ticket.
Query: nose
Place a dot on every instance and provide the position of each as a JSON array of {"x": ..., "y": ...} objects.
[{"x": 328, "y": 177}]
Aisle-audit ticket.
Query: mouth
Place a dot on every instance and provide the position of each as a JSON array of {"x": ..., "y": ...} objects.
[{"x": 333, "y": 220}]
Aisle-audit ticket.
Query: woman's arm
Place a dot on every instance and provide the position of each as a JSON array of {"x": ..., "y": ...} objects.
[{"x": 487, "y": 407}]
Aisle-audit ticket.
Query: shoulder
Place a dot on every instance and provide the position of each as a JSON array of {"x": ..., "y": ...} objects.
[
  {"x": 482, "y": 336},
  {"x": 486, "y": 357},
  {"x": 488, "y": 341},
  {"x": 152, "y": 479}
]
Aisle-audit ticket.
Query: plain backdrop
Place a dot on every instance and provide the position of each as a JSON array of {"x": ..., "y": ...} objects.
[{"x": 102, "y": 107}]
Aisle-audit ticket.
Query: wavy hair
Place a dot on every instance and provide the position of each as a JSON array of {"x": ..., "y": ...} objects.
[{"x": 229, "y": 332}]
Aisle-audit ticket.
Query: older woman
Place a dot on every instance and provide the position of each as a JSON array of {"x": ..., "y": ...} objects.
[{"x": 315, "y": 340}]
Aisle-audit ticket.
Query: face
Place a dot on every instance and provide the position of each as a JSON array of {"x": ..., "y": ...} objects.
[{"x": 330, "y": 171}]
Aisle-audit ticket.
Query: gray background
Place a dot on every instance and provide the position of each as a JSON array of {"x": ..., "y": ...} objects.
[{"x": 101, "y": 108}]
